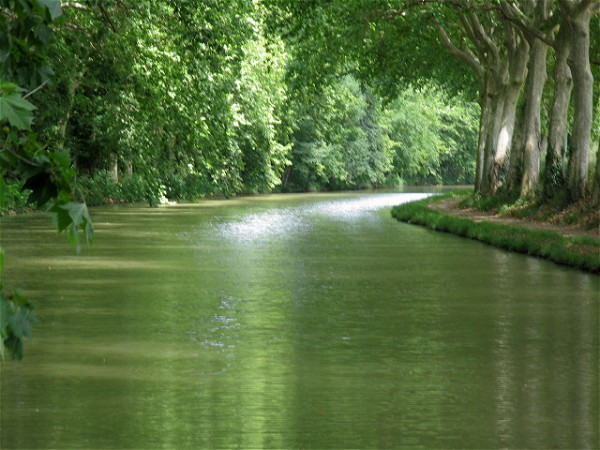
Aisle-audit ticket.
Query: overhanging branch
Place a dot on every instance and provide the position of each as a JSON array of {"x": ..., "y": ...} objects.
[
  {"x": 464, "y": 54},
  {"x": 519, "y": 23}
]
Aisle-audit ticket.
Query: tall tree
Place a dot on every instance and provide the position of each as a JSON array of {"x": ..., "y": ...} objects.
[
  {"x": 531, "y": 17},
  {"x": 576, "y": 15}
]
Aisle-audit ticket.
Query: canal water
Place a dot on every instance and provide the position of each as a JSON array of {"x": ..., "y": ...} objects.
[{"x": 295, "y": 321}]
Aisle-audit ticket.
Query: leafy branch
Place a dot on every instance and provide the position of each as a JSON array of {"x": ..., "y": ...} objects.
[{"x": 47, "y": 173}]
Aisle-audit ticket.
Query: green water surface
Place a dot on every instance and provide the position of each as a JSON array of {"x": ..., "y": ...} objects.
[{"x": 295, "y": 321}]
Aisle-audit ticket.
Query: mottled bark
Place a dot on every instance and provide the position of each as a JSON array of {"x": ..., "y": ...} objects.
[
  {"x": 515, "y": 169},
  {"x": 525, "y": 173},
  {"x": 578, "y": 18},
  {"x": 596, "y": 189},
  {"x": 496, "y": 99},
  {"x": 554, "y": 174},
  {"x": 484, "y": 122},
  {"x": 511, "y": 77}
]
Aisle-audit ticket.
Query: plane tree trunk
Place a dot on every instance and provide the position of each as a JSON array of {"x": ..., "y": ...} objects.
[
  {"x": 554, "y": 174},
  {"x": 524, "y": 173},
  {"x": 577, "y": 16}
]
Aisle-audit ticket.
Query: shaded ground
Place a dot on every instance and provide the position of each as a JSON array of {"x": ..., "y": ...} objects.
[{"x": 452, "y": 207}]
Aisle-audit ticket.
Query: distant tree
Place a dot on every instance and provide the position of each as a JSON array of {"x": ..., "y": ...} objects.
[{"x": 338, "y": 142}]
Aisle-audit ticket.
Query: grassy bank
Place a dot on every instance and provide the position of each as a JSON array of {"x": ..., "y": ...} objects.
[{"x": 579, "y": 252}]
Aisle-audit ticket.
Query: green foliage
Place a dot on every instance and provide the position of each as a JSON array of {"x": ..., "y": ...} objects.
[
  {"x": 137, "y": 188},
  {"x": 260, "y": 98},
  {"x": 338, "y": 142},
  {"x": 73, "y": 217},
  {"x": 101, "y": 189},
  {"x": 16, "y": 318},
  {"x": 205, "y": 99},
  {"x": 387, "y": 44},
  {"x": 25, "y": 33},
  {"x": 485, "y": 203},
  {"x": 98, "y": 189},
  {"x": 191, "y": 186},
  {"x": 432, "y": 137},
  {"x": 14, "y": 198},
  {"x": 168, "y": 85},
  {"x": 14, "y": 108}
]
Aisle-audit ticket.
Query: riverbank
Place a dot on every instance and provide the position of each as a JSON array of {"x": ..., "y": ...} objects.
[{"x": 564, "y": 244}]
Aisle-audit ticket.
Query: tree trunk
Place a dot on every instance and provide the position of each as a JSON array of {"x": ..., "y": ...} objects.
[
  {"x": 596, "y": 190},
  {"x": 129, "y": 169},
  {"x": 493, "y": 161},
  {"x": 531, "y": 125},
  {"x": 484, "y": 130},
  {"x": 579, "y": 20},
  {"x": 554, "y": 174},
  {"x": 515, "y": 169},
  {"x": 511, "y": 78},
  {"x": 114, "y": 168},
  {"x": 72, "y": 89},
  {"x": 495, "y": 104}
]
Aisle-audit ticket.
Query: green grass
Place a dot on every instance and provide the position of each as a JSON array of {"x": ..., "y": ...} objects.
[{"x": 579, "y": 252}]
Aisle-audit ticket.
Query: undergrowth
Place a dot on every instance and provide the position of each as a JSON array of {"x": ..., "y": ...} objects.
[{"x": 583, "y": 214}]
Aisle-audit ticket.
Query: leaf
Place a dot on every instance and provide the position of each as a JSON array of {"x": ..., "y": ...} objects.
[
  {"x": 16, "y": 319},
  {"x": 80, "y": 216},
  {"x": 43, "y": 33},
  {"x": 2, "y": 189},
  {"x": 6, "y": 309},
  {"x": 16, "y": 346},
  {"x": 20, "y": 323},
  {"x": 72, "y": 217},
  {"x": 60, "y": 217},
  {"x": 42, "y": 187},
  {"x": 53, "y": 6},
  {"x": 16, "y": 110}
]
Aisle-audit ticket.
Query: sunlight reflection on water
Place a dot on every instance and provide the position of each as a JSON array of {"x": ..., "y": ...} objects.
[{"x": 285, "y": 221}]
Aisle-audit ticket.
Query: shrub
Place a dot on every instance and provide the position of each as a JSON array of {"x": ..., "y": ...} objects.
[
  {"x": 12, "y": 198},
  {"x": 136, "y": 189},
  {"x": 99, "y": 189}
]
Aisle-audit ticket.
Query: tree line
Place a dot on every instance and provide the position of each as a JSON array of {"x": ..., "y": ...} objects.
[
  {"x": 532, "y": 66},
  {"x": 140, "y": 99},
  {"x": 189, "y": 99}
]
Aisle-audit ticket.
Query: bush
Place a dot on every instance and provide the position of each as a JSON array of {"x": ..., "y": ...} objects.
[
  {"x": 187, "y": 187},
  {"x": 13, "y": 199},
  {"x": 101, "y": 189},
  {"x": 135, "y": 189}
]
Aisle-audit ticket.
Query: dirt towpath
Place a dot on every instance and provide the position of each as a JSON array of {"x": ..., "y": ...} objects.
[{"x": 451, "y": 206}]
